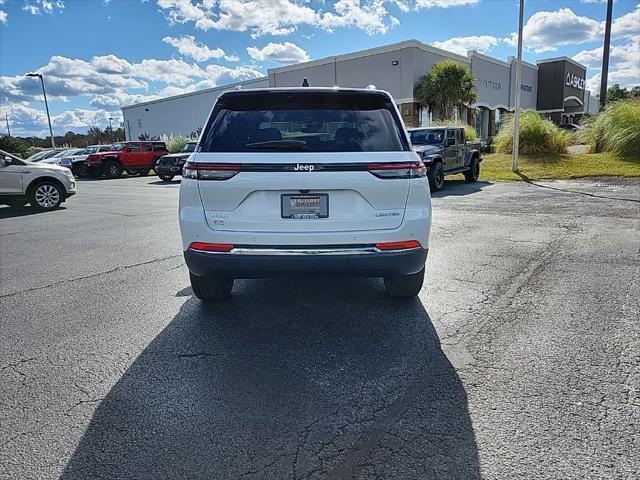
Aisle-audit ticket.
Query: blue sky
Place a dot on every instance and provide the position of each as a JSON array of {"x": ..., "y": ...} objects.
[{"x": 98, "y": 55}]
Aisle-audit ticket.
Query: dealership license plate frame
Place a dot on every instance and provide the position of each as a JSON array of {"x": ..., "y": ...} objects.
[{"x": 289, "y": 211}]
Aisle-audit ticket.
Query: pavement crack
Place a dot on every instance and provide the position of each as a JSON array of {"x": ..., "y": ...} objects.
[
  {"x": 194, "y": 355},
  {"x": 91, "y": 275}
]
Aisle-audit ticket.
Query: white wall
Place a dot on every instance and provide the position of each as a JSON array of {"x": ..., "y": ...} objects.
[{"x": 180, "y": 115}]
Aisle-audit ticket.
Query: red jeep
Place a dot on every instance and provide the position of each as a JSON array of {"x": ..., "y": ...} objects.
[{"x": 134, "y": 157}]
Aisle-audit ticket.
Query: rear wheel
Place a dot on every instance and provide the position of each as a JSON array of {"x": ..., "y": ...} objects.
[
  {"x": 113, "y": 169},
  {"x": 46, "y": 196},
  {"x": 404, "y": 286},
  {"x": 165, "y": 177},
  {"x": 210, "y": 289},
  {"x": 473, "y": 173},
  {"x": 80, "y": 170},
  {"x": 436, "y": 176}
]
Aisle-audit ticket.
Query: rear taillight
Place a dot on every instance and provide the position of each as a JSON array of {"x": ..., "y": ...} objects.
[
  {"x": 406, "y": 245},
  {"x": 211, "y": 247},
  {"x": 398, "y": 170},
  {"x": 210, "y": 171}
]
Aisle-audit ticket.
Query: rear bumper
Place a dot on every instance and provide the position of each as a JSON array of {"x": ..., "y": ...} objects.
[{"x": 261, "y": 265}]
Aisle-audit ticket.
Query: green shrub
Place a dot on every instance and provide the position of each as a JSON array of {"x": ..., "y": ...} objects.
[
  {"x": 13, "y": 145},
  {"x": 174, "y": 144},
  {"x": 616, "y": 129},
  {"x": 469, "y": 131},
  {"x": 537, "y": 135}
]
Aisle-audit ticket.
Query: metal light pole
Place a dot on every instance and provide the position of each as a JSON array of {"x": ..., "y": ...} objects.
[
  {"x": 605, "y": 55},
  {"x": 46, "y": 105},
  {"x": 516, "y": 119},
  {"x": 6, "y": 118},
  {"x": 110, "y": 129}
]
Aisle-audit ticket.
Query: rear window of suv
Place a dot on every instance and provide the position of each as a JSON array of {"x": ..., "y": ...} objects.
[{"x": 304, "y": 121}]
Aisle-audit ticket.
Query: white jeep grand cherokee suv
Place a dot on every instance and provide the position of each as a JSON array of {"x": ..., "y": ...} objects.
[{"x": 304, "y": 181}]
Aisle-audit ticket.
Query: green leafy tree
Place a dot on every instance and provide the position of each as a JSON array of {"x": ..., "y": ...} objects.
[
  {"x": 448, "y": 85},
  {"x": 635, "y": 92},
  {"x": 13, "y": 145},
  {"x": 615, "y": 92}
]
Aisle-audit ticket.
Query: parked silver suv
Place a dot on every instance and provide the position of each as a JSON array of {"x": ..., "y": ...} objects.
[{"x": 42, "y": 185}]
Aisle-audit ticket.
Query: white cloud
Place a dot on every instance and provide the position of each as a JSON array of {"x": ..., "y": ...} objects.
[
  {"x": 27, "y": 121},
  {"x": 3, "y": 14},
  {"x": 47, "y": 6},
  {"x": 286, "y": 52},
  {"x": 624, "y": 64},
  {"x": 620, "y": 56},
  {"x": 372, "y": 17},
  {"x": 188, "y": 46},
  {"x": 547, "y": 30},
  {"x": 627, "y": 25},
  {"x": 628, "y": 77},
  {"x": 109, "y": 82},
  {"x": 281, "y": 17},
  {"x": 443, "y": 3},
  {"x": 460, "y": 45}
]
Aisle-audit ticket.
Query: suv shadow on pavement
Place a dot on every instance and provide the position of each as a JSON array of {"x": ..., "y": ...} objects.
[
  {"x": 314, "y": 378},
  {"x": 454, "y": 187},
  {"x": 14, "y": 212}
]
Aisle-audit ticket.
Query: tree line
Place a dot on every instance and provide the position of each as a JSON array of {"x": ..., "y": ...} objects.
[{"x": 24, "y": 146}]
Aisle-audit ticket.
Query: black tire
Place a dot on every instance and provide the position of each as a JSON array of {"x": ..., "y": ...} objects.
[
  {"x": 210, "y": 289},
  {"x": 46, "y": 195},
  {"x": 80, "y": 170},
  {"x": 112, "y": 169},
  {"x": 165, "y": 177},
  {"x": 436, "y": 176},
  {"x": 404, "y": 286},
  {"x": 472, "y": 175}
]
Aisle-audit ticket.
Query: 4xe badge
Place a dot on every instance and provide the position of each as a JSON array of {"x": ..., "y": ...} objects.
[{"x": 304, "y": 167}]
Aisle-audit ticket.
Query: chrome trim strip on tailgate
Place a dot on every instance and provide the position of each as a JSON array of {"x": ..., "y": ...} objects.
[{"x": 309, "y": 251}]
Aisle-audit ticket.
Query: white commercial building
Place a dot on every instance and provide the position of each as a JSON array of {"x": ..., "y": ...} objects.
[{"x": 394, "y": 68}]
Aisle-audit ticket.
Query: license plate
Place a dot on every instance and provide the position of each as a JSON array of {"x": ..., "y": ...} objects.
[{"x": 305, "y": 205}]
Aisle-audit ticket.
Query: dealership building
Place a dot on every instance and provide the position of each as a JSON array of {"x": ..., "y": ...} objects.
[{"x": 554, "y": 87}]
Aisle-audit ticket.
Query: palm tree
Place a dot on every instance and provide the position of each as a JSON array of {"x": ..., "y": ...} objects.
[{"x": 448, "y": 85}]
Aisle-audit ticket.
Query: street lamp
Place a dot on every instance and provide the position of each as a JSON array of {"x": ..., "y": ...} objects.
[
  {"x": 6, "y": 118},
  {"x": 46, "y": 105},
  {"x": 110, "y": 129},
  {"x": 516, "y": 118}
]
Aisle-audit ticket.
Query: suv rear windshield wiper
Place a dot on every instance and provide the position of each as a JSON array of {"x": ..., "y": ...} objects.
[{"x": 295, "y": 145}]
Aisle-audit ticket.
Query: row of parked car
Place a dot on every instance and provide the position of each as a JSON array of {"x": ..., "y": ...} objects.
[
  {"x": 46, "y": 179},
  {"x": 136, "y": 158}
]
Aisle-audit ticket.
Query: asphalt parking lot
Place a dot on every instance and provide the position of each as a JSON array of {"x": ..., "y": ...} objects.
[{"x": 521, "y": 359}]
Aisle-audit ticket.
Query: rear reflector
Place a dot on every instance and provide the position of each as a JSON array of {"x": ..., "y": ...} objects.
[
  {"x": 398, "y": 245},
  {"x": 398, "y": 170},
  {"x": 211, "y": 247},
  {"x": 210, "y": 171}
]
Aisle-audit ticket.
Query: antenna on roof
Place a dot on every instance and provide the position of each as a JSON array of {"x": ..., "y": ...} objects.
[{"x": 305, "y": 82}]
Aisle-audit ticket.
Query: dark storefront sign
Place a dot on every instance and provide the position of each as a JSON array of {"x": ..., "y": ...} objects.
[{"x": 562, "y": 84}]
